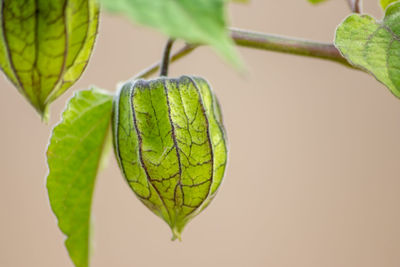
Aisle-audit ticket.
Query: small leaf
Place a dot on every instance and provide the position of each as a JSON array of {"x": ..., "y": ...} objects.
[
  {"x": 45, "y": 45},
  {"x": 201, "y": 21},
  {"x": 316, "y": 1},
  {"x": 385, "y": 3},
  {"x": 74, "y": 157},
  {"x": 373, "y": 45}
]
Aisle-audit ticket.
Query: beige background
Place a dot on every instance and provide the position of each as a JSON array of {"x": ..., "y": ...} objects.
[{"x": 313, "y": 177}]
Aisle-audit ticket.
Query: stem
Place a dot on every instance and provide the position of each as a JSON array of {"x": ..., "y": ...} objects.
[
  {"x": 355, "y": 6},
  {"x": 166, "y": 56},
  {"x": 156, "y": 66},
  {"x": 267, "y": 42},
  {"x": 287, "y": 45}
]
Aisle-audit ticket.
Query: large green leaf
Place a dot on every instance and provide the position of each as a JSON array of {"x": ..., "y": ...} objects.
[
  {"x": 385, "y": 3},
  {"x": 200, "y": 21},
  {"x": 74, "y": 156},
  {"x": 373, "y": 45},
  {"x": 45, "y": 45}
]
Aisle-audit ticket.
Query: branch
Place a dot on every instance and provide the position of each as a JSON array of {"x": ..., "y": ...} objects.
[
  {"x": 287, "y": 45},
  {"x": 355, "y": 6},
  {"x": 266, "y": 42}
]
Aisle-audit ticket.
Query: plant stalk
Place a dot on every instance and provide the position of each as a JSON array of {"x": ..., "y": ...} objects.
[
  {"x": 287, "y": 45},
  {"x": 156, "y": 66},
  {"x": 355, "y": 6},
  {"x": 166, "y": 57},
  {"x": 268, "y": 42}
]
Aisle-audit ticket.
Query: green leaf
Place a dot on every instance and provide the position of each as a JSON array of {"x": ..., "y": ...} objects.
[
  {"x": 74, "y": 157},
  {"x": 45, "y": 45},
  {"x": 316, "y": 1},
  {"x": 373, "y": 46},
  {"x": 385, "y": 3},
  {"x": 200, "y": 21},
  {"x": 170, "y": 145}
]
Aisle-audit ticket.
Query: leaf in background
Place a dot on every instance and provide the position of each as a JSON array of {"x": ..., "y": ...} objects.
[
  {"x": 316, "y": 1},
  {"x": 45, "y": 45},
  {"x": 74, "y": 157},
  {"x": 373, "y": 45},
  {"x": 385, "y": 3},
  {"x": 200, "y": 21}
]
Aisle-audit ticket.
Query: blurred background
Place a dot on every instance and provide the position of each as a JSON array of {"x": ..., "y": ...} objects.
[{"x": 313, "y": 177}]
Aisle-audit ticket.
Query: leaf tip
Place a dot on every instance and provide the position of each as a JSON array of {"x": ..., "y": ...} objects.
[
  {"x": 176, "y": 234},
  {"x": 44, "y": 114}
]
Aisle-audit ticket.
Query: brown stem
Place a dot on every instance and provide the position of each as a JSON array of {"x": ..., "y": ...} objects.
[
  {"x": 355, "y": 6},
  {"x": 266, "y": 42},
  {"x": 166, "y": 57},
  {"x": 156, "y": 66}
]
